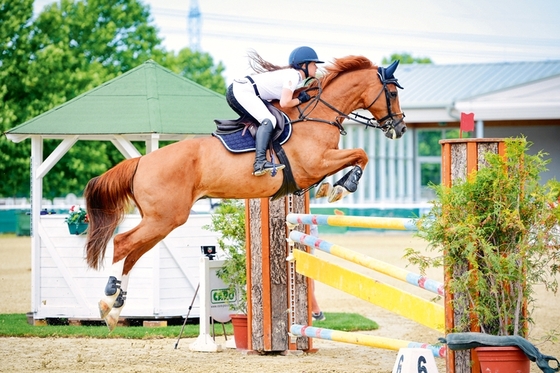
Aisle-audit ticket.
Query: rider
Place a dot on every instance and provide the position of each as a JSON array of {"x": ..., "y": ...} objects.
[{"x": 246, "y": 95}]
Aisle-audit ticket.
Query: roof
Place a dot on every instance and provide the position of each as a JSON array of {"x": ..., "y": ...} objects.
[
  {"x": 148, "y": 99},
  {"x": 430, "y": 85}
]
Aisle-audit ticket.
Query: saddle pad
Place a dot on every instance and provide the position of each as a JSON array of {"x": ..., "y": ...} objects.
[{"x": 239, "y": 142}]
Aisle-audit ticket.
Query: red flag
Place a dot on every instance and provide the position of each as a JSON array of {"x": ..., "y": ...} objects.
[{"x": 467, "y": 122}]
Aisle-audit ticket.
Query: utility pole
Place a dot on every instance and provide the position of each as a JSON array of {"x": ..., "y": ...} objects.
[{"x": 194, "y": 23}]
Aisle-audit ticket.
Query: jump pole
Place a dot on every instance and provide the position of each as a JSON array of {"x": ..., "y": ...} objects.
[
  {"x": 391, "y": 298},
  {"x": 369, "y": 262},
  {"x": 353, "y": 221},
  {"x": 364, "y": 339}
]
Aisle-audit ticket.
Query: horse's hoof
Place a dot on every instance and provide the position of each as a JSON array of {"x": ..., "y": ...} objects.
[
  {"x": 323, "y": 190},
  {"x": 337, "y": 193},
  {"x": 111, "y": 322},
  {"x": 104, "y": 309}
]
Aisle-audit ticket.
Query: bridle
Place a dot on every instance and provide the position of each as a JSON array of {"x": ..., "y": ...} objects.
[{"x": 385, "y": 124}]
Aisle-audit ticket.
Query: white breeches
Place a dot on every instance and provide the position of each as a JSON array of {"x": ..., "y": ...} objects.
[{"x": 245, "y": 95}]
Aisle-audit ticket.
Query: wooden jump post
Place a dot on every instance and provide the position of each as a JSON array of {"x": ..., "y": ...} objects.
[
  {"x": 460, "y": 158},
  {"x": 273, "y": 286}
]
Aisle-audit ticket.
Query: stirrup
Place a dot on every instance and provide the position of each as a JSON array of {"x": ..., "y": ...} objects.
[{"x": 266, "y": 167}]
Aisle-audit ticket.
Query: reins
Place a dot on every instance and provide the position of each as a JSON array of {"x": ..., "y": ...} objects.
[{"x": 383, "y": 124}]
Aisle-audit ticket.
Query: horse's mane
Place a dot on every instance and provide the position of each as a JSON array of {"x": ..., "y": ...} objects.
[{"x": 342, "y": 65}]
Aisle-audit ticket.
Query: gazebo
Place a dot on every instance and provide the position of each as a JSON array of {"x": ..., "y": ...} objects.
[{"x": 148, "y": 103}]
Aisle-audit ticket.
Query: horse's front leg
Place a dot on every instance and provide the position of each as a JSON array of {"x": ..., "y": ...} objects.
[
  {"x": 349, "y": 182},
  {"x": 346, "y": 185}
]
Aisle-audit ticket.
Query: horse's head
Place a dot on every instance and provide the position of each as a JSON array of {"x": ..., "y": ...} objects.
[{"x": 389, "y": 116}]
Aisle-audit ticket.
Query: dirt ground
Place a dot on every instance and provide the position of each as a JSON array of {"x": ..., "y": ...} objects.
[{"x": 121, "y": 355}]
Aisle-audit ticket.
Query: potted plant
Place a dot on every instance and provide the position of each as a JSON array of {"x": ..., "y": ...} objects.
[
  {"x": 229, "y": 220},
  {"x": 498, "y": 232},
  {"x": 77, "y": 220}
]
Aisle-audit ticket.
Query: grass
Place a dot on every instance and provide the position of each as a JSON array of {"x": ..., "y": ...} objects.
[
  {"x": 346, "y": 322},
  {"x": 15, "y": 325}
]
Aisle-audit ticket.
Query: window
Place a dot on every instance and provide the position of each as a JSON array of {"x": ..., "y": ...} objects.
[{"x": 429, "y": 158}]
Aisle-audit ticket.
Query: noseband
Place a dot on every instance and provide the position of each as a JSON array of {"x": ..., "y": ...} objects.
[{"x": 387, "y": 124}]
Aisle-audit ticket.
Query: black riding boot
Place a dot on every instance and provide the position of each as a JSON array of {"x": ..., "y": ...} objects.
[{"x": 262, "y": 165}]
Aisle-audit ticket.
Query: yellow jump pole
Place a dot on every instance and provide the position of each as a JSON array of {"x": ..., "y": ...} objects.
[{"x": 392, "y": 299}]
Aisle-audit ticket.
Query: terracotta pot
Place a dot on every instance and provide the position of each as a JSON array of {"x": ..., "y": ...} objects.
[
  {"x": 240, "y": 333},
  {"x": 503, "y": 360}
]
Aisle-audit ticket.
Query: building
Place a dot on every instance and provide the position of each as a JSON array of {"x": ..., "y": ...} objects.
[{"x": 507, "y": 99}]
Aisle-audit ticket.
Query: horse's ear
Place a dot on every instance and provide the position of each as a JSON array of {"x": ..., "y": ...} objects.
[
  {"x": 389, "y": 71},
  {"x": 386, "y": 73}
]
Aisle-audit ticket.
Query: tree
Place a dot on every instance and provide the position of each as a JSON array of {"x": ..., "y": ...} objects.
[
  {"x": 198, "y": 67},
  {"x": 405, "y": 58},
  {"x": 72, "y": 47},
  {"x": 14, "y": 33}
]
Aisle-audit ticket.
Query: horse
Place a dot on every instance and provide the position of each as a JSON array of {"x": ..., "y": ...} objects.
[{"x": 164, "y": 184}]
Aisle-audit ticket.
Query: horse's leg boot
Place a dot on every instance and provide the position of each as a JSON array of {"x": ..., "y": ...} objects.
[
  {"x": 112, "y": 292},
  {"x": 262, "y": 165},
  {"x": 351, "y": 179}
]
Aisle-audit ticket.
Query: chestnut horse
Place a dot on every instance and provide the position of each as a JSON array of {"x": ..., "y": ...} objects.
[{"x": 166, "y": 183}]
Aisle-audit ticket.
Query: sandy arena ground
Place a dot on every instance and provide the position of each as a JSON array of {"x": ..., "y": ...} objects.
[{"x": 121, "y": 355}]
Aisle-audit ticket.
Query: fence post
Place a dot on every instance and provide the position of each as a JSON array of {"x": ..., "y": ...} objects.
[
  {"x": 269, "y": 291},
  {"x": 459, "y": 158}
]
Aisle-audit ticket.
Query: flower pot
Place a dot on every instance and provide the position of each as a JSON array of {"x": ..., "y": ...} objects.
[
  {"x": 503, "y": 359},
  {"x": 240, "y": 333},
  {"x": 79, "y": 228}
]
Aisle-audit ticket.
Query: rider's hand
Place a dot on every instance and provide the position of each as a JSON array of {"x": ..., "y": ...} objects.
[{"x": 304, "y": 97}]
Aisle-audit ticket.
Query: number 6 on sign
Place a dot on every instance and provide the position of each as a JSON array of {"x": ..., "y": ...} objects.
[{"x": 415, "y": 360}]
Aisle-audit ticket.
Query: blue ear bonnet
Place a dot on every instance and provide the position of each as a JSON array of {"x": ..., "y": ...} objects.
[{"x": 386, "y": 74}]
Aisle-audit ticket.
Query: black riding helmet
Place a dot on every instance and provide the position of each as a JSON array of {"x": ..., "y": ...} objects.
[{"x": 301, "y": 57}]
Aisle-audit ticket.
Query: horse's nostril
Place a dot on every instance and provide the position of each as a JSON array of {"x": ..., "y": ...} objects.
[{"x": 404, "y": 130}]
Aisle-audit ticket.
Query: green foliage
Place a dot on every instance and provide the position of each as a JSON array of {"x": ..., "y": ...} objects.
[
  {"x": 15, "y": 325},
  {"x": 71, "y": 47},
  {"x": 498, "y": 231},
  {"x": 229, "y": 220},
  {"x": 405, "y": 58}
]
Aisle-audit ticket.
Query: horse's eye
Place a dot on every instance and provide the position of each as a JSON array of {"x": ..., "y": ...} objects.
[{"x": 393, "y": 95}]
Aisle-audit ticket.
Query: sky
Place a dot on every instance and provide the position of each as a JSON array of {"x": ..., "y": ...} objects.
[{"x": 448, "y": 32}]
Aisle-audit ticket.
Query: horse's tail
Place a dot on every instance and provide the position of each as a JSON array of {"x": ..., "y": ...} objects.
[{"x": 107, "y": 198}]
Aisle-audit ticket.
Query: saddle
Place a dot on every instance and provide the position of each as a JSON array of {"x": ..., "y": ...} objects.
[
  {"x": 233, "y": 132},
  {"x": 238, "y": 136}
]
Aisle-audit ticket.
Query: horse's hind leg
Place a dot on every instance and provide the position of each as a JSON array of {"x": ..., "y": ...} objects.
[
  {"x": 112, "y": 289},
  {"x": 129, "y": 247},
  {"x": 112, "y": 318}
]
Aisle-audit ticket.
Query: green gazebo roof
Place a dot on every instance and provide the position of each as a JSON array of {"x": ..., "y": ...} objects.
[{"x": 148, "y": 99}]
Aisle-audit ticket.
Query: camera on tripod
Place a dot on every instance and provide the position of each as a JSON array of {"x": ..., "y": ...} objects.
[{"x": 209, "y": 251}]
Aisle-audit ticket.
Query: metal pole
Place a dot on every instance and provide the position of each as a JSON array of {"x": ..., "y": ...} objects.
[{"x": 188, "y": 313}]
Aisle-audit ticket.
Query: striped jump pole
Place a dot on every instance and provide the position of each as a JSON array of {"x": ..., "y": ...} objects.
[
  {"x": 401, "y": 224},
  {"x": 363, "y": 339},
  {"x": 389, "y": 297},
  {"x": 368, "y": 262}
]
